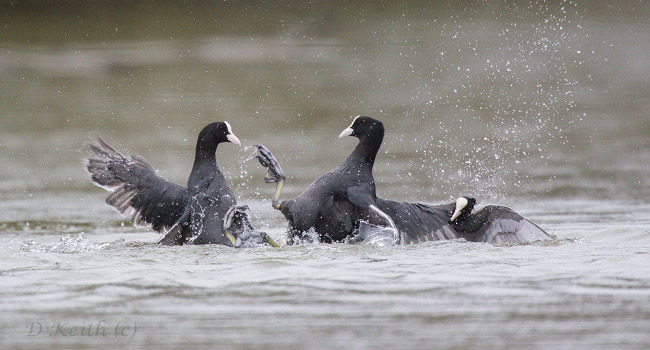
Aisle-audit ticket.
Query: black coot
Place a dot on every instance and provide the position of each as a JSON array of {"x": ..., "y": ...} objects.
[
  {"x": 336, "y": 201},
  {"x": 203, "y": 212}
]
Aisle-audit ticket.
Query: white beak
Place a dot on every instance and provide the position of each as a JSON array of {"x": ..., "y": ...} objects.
[
  {"x": 234, "y": 139},
  {"x": 460, "y": 204},
  {"x": 346, "y": 132},
  {"x": 231, "y": 137}
]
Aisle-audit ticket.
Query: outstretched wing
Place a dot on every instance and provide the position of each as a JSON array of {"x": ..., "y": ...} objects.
[
  {"x": 504, "y": 225},
  {"x": 136, "y": 188}
]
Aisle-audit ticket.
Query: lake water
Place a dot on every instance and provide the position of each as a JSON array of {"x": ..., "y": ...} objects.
[{"x": 539, "y": 106}]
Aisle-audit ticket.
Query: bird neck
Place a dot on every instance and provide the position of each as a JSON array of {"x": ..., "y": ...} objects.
[
  {"x": 366, "y": 151},
  {"x": 205, "y": 163}
]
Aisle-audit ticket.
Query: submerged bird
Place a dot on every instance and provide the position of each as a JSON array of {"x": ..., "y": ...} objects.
[
  {"x": 494, "y": 223},
  {"x": 343, "y": 203},
  {"x": 203, "y": 212}
]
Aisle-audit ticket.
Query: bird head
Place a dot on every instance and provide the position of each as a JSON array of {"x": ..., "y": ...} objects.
[
  {"x": 218, "y": 132},
  {"x": 364, "y": 127},
  {"x": 464, "y": 206}
]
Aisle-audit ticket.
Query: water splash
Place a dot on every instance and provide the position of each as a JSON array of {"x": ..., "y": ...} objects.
[
  {"x": 69, "y": 244},
  {"x": 310, "y": 237},
  {"x": 499, "y": 109},
  {"x": 375, "y": 235}
]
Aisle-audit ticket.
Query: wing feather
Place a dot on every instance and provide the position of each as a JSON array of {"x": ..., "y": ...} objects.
[
  {"x": 420, "y": 222},
  {"x": 506, "y": 226},
  {"x": 136, "y": 188}
]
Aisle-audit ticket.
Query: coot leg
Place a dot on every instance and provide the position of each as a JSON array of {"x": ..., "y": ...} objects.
[
  {"x": 238, "y": 228},
  {"x": 274, "y": 172}
]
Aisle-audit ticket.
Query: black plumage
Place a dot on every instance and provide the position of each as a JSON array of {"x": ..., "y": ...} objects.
[
  {"x": 189, "y": 214},
  {"x": 417, "y": 222},
  {"x": 336, "y": 201}
]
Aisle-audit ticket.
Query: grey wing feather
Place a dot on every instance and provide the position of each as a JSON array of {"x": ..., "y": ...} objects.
[
  {"x": 420, "y": 222},
  {"x": 506, "y": 226},
  {"x": 135, "y": 187}
]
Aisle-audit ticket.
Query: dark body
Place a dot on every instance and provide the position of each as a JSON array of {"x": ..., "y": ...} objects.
[{"x": 336, "y": 201}]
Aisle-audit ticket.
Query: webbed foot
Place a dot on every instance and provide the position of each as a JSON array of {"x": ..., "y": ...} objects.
[{"x": 274, "y": 172}]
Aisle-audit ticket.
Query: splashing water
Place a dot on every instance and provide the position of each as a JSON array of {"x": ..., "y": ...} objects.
[
  {"x": 499, "y": 108},
  {"x": 69, "y": 244}
]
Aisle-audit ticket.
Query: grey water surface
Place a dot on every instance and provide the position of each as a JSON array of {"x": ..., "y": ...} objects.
[{"x": 542, "y": 106}]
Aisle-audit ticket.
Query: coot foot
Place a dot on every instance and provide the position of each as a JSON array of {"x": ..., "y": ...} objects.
[
  {"x": 239, "y": 230},
  {"x": 274, "y": 172}
]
